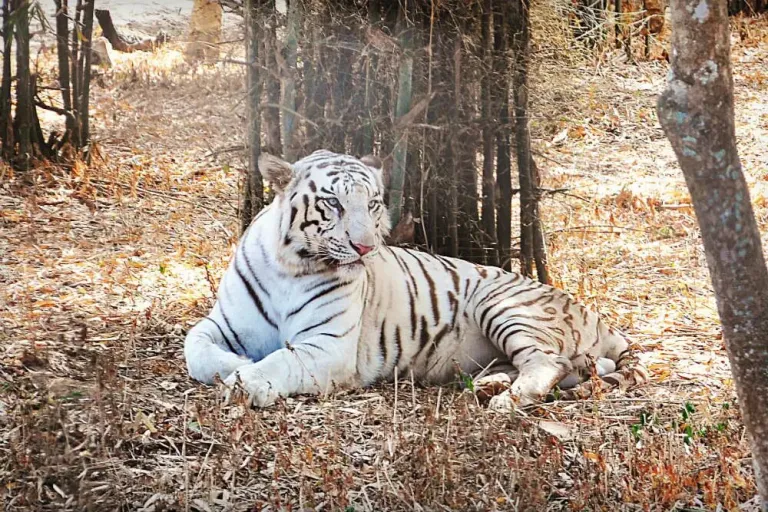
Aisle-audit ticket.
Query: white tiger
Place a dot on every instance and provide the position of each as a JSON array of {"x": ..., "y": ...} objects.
[{"x": 313, "y": 298}]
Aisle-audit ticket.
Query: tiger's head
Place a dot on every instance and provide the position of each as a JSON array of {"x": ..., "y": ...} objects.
[{"x": 332, "y": 211}]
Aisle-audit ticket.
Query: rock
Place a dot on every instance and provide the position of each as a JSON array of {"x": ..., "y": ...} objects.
[{"x": 102, "y": 53}]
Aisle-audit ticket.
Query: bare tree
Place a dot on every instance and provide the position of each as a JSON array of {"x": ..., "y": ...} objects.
[
  {"x": 253, "y": 194},
  {"x": 696, "y": 112}
]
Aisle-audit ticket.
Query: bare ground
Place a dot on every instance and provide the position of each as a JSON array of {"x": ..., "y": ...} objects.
[{"x": 102, "y": 269}]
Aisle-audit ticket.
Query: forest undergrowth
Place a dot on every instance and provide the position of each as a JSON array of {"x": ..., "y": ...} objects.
[{"x": 103, "y": 268}]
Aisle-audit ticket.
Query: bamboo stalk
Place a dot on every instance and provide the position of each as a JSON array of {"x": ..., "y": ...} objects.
[{"x": 403, "y": 106}]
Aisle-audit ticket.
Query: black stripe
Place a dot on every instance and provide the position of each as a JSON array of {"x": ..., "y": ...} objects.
[
  {"x": 383, "y": 343},
  {"x": 226, "y": 340},
  {"x": 438, "y": 338},
  {"x": 229, "y": 326},
  {"x": 399, "y": 342},
  {"x": 315, "y": 297},
  {"x": 431, "y": 284},
  {"x": 252, "y": 271},
  {"x": 254, "y": 296},
  {"x": 518, "y": 351},
  {"x": 318, "y": 324}
]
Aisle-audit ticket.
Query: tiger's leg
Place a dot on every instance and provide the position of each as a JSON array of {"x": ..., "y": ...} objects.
[
  {"x": 539, "y": 371},
  {"x": 310, "y": 366},
  {"x": 206, "y": 355},
  {"x": 628, "y": 371}
]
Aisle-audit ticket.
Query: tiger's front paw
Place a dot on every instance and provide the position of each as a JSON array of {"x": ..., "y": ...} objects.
[{"x": 261, "y": 392}]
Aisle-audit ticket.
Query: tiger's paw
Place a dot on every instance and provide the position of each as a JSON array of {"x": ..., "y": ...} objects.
[
  {"x": 490, "y": 386},
  {"x": 261, "y": 392},
  {"x": 508, "y": 401}
]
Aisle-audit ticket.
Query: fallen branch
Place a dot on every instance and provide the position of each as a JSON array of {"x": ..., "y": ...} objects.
[{"x": 120, "y": 44}]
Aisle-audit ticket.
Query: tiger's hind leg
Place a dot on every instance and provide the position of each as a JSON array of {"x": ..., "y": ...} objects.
[{"x": 629, "y": 373}]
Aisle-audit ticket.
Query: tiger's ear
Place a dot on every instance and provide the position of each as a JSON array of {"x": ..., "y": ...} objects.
[
  {"x": 380, "y": 167},
  {"x": 275, "y": 170}
]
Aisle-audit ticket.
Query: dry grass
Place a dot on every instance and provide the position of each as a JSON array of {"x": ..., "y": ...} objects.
[{"x": 101, "y": 269}]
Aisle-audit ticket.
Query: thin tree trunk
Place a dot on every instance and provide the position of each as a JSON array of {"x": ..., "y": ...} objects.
[
  {"x": 6, "y": 124},
  {"x": 489, "y": 134},
  {"x": 454, "y": 53},
  {"x": 75, "y": 74},
  {"x": 523, "y": 137},
  {"x": 697, "y": 114},
  {"x": 539, "y": 242},
  {"x": 24, "y": 103},
  {"x": 293, "y": 22},
  {"x": 62, "y": 50},
  {"x": 253, "y": 194},
  {"x": 503, "y": 169},
  {"x": 85, "y": 67},
  {"x": 403, "y": 107},
  {"x": 271, "y": 114}
]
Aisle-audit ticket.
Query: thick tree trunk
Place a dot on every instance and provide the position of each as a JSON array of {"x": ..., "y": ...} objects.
[
  {"x": 6, "y": 124},
  {"x": 271, "y": 114},
  {"x": 75, "y": 72},
  {"x": 24, "y": 102},
  {"x": 204, "y": 30},
  {"x": 523, "y": 137},
  {"x": 696, "y": 112},
  {"x": 253, "y": 193}
]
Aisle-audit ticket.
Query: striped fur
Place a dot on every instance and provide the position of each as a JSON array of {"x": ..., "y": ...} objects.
[{"x": 300, "y": 310}]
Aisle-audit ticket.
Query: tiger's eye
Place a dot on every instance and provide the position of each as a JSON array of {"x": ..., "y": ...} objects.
[{"x": 333, "y": 202}]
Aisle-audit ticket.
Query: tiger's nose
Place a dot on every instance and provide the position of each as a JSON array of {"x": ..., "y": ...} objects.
[{"x": 362, "y": 249}]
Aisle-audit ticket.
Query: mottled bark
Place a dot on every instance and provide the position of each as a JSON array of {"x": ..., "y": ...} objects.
[
  {"x": 253, "y": 193},
  {"x": 271, "y": 114},
  {"x": 696, "y": 112}
]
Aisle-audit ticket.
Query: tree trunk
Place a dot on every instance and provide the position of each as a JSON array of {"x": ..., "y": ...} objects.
[
  {"x": 539, "y": 243},
  {"x": 489, "y": 134},
  {"x": 75, "y": 72},
  {"x": 85, "y": 69},
  {"x": 271, "y": 114},
  {"x": 523, "y": 137},
  {"x": 403, "y": 107},
  {"x": 24, "y": 103},
  {"x": 62, "y": 49},
  {"x": 454, "y": 53},
  {"x": 696, "y": 112},
  {"x": 204, "y": 30},
  {"x": 253, "y": 194},
  {"x": 293, "y": 22},
  {"x": 503, "y": 162},
  {"x": 6, "y": 125}
]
